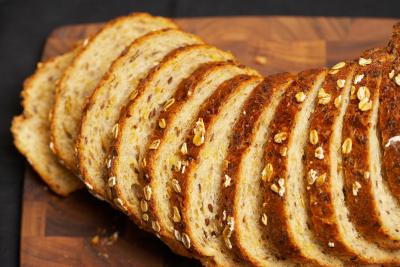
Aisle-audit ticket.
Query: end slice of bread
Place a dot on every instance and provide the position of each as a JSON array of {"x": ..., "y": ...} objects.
[
  {"x": 103, "y": 108},
  {"x": 140, "y": 118},
  {"x": 364, "y": 187},
  {"x": 31, "y": 128},
  {"x": 173, "y": 127},
  {"x": 87, "y": 69},
  {"x": 285, "y": 193},
  {"x": 200, "y": 179},
  {"x": 242, "y": 198}
]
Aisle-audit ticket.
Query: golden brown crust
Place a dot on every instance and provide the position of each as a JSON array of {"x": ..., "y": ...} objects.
[
  {"x": 208, "y": 111},
  {"x": 389, "y": 116},
  {"x": 91, "y": 102},
  {"x": 72, "y": 166},
  {"x": 356, "y": 163},
  {"x": 126, "y": 112},
  {"x": 240, "y": 141},
  {"x": 320, "y": 195},
  {"x": 180, "y": 96},
  {"x": 284, "y": 120}
]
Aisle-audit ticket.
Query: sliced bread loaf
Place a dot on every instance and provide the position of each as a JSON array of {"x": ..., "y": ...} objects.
[
  {"x": 103, "y": 108},
  {"x": 173, "y": 127},
  {"x": 389, "y": 116},
  {"x": 242, "y": 199},
  {"x": 285, "y": 193},
  {"x": 139, "y": 119},
  {"x": 324, "y": 176},
  {"x": 364, "y": 188},
  {"x": 31, "y": 128},
  {"x": 81, "y": 77},
  {"x": 200, "y": 177}
]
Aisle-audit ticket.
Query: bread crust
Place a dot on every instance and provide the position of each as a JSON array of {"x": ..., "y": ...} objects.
[
  {"x": 389, "y": 117},
  {"x": 356, "y": 163},
  {"x": 284, "y": 121},
  {"x": 208, "y": 111},
  {"x": 66, "y": 183},
  {"x": 91, "y": 102},
  {"x": 181, "y": 96},
  {"x": 243, "y": 134},
  {"x": 59, "y": 149}
]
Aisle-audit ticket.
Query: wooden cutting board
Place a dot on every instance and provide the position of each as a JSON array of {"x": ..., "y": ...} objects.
[{"x": 59, "y": 231}]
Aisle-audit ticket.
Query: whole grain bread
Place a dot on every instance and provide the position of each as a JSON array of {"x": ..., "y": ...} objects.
[
  {"x": 88, "y": 67},
  {"x": 103, "y": 108},
  {"x": 200, "y": 178},
  {"x": 363, "y": 184},
  {"x": 285, "y": 192},
  {"x": 324, "y": 177},
  {"x": 243, "y": 198},
  {"x": 139, "y": 119},
  {"x": 389, "y": 116},
  {"x": 31, "y": 129},
  {"x": 173, "y": 126}
]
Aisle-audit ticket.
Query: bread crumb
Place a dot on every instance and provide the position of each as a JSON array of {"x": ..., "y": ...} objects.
[{"x": 261, "y": 60}]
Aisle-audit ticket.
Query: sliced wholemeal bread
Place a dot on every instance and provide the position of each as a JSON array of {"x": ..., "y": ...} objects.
[
  {"x": 242, "y": 199},
  {"x": 173, "y": 126},
  {"x": 31, "y": 128},
  {"x": 285, "y": 193},
  {"x": 200, "y": 178},
  {"x": 103, "y": 108},
  {"x": 364, "y": 188},
  {"x": 324, "y": 177},
  {"x": 82, "y": 76},
  {"x": 389, "y": 116},
  {"x": 139, "y": 119}
]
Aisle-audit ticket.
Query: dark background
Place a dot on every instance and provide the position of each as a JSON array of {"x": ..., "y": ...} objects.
[{"x": 24, "y": 26}]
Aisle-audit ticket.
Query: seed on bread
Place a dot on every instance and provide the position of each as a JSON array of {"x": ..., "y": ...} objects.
[
  {"x": 155, "y": 226},
  {"x": 267, "y": 172},
  {"x": 339, "y": 65},
  {"x": 313, "y": 137},
  {"x": 264, "y": 219},
  {"x": 300, "y": 97},
  {"x": 186, "y": 240},
  {"x": 323, "y": 97},
  {"x": 319, "y": 153},
  {"x": 177, "y": 235},
  {"x": 144, "y": 206},
  {"x": 338, "y": 101},
  {"x": 112, "y": 181},
  {"x": 358, "y": 78},
  {"x": 280, "y": 137},
  {"x": 311, "y": 176},
  {"x": 356, "y": 186},
  {"x": 176, "y": 216},
  {"x": 184, "y": 149},
  {"x": 364, "y": 61},
  {"x": 320, "y": 179},
  {"x": 397, "y": 79},
  {"x": 363, "y": 92},
  {"x": 365, "y": 104},
  {"x": 162, "y": 123},
  {"x": 199, "y": 132},
  {"x": 340, "y": 83},
  {"x": 145, "y": 217},
  {"x": 176, "y": 186},
  {"x": 283, "y": 151},
  {"x": 115, "y": 130},
  {"x": 147, "y": 192},
  {"x": 347, "y": 146},
  {"x": 227, "y": 181},
  {"x": 391, "y": 74}
]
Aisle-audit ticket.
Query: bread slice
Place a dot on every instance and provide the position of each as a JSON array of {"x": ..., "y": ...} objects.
[
  {"x": 139, "y": 119},
  {"x": 364, "y": 188},
  {"x": 389, "y": 116},
  {"x": 174, "y": 125},
  {"x": 103, "y": 108},
  {"x": 198, "y": 201},
  {"x": 82, "y": 76},
  {"x": 31, "y": 128},
  {"x": 285, "y": 193},
  {"x": 242, "y": 200},
  {"x": 329, "y": 214}
]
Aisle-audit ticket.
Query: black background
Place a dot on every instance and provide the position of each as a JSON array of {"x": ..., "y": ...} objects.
[{"x": 24, "y": 26}]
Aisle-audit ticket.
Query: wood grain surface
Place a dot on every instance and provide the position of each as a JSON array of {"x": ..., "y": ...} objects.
[{"x": 59, "y": 231}]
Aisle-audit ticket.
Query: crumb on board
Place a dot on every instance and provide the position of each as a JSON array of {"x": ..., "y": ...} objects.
[
  {"x": 104, "y": 240},
  {"x": 261, "y": 60}
]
